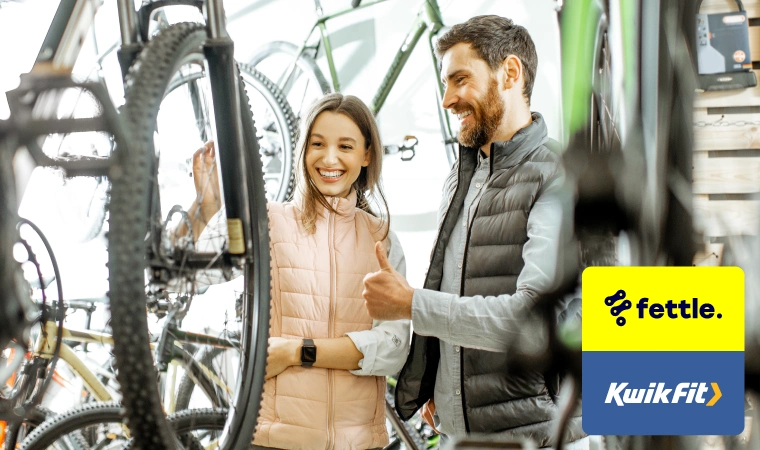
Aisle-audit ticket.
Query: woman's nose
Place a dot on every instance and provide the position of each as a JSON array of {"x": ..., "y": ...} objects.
[{"x": 331, "y": 156}]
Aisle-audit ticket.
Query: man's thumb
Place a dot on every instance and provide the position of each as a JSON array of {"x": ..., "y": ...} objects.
[{"x": 382, "y": 258}]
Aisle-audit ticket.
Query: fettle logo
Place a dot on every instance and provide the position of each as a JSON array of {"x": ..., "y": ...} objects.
[{"x": 670, "y": 309}]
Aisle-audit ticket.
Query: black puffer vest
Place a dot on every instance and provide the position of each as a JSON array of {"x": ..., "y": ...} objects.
[{"x": 517, "y": 405}]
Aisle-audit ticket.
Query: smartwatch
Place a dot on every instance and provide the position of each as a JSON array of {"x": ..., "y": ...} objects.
[{"x": 308, "y": 353}]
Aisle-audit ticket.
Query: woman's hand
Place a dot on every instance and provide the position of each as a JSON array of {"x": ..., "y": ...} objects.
[
  {"x": 206, "y": 179},
  {"x": 281, "y": 354}
]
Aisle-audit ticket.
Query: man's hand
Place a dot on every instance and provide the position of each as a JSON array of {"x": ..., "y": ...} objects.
[
  {"x": 387, "y": 294},
  {"x": 428, "y": 409},
  {"x": 281, "y": 354}
]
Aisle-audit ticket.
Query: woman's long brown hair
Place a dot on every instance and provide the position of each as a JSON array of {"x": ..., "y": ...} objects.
[{"x": 368, "y": 185}]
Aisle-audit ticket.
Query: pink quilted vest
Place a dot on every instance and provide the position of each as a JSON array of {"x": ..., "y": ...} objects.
[{"x": 317, "y": 293}]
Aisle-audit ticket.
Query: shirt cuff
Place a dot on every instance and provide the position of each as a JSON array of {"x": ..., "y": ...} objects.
[
  {"x": 366, "y": 343},
  {"x": 431, "y": 313}
]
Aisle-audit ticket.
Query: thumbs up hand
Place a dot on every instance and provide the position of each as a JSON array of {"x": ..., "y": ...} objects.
[{"x": 387, "y": 294}]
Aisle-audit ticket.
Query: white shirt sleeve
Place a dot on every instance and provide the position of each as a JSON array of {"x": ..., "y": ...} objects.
[{"x": 386, "y": 345}]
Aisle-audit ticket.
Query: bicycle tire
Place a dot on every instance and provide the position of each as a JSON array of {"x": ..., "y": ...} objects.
[
  {"x": 196, "y": 370},
  {"x": 187, "y": 385},
  {"x": 135, "y": 197},
  {"x": 288, "y": 126},
  {"x": 36, "y": 417},
  {"x": 305, "y": 63},
  {"x": 76, "y": 419}
]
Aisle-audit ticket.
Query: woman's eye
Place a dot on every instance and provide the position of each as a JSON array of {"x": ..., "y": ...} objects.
[
  {"x": 316, "y": 144},
  {"x": 346, "y": 147}
]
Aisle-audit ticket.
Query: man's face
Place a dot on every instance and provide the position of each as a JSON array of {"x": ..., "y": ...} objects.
[{"x": 472, "y": 93}]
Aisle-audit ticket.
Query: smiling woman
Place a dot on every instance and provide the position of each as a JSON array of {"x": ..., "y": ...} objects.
[
  {"x": 340, "y": 150},
  {"x": 336, "y": 154}
]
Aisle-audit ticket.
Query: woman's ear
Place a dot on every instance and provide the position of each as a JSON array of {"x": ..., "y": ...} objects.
[
  {"x": 511, "y": 71},
  {"x": 367, "y": 157}
]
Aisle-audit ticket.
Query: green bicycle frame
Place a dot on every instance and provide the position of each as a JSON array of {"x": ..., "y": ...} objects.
[
  {"x": 429, "y": 18},
  {"x": 578, "y": 27}
]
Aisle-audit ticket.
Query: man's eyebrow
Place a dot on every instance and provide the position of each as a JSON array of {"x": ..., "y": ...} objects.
[{"x": 454, "y": 74}]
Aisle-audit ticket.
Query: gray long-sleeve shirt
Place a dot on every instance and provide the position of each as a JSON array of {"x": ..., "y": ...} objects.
[{"x": 481, "y": 322}]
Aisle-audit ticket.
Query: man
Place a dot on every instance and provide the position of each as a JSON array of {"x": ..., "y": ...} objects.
[{"x": 496, "y": 251}]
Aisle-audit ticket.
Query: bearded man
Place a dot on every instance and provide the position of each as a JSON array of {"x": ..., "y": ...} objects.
[{"x": 496, "y": 250}]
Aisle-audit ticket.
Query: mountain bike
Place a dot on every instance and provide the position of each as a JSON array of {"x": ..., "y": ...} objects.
[{"x": 295, "y": 71}]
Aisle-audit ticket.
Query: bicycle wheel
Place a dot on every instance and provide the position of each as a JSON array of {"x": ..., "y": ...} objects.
[
  {"x": 667, "y": 92},
  {"x": 149, "y": 261},
  {"x": 302, "y": 84},
  {"x": 16, "y": 432},
  {"x": 278, "y": 132},
  {"x": 206, "y": 357},
  {"x": 100, "y": 425},
  {"x": 277, "y": 126},
  {"x": 17, "y": 309}
]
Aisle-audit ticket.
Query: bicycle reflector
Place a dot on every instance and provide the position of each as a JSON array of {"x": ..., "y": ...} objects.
[{"x": 723, "y": 54}]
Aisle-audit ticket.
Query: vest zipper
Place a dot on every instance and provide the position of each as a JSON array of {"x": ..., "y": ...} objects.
[
  {"x": 331, "y": 323},
  {"x": 461, "y": 290}
]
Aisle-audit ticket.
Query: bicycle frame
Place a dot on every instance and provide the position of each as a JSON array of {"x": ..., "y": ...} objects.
[
  {"x": 429, "y": 18},
  {"x": 45, "y": 345}
]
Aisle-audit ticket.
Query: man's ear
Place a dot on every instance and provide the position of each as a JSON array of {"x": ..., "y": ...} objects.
[{"x": 511, "y": 72}]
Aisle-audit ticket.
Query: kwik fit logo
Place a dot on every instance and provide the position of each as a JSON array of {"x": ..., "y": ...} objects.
[
  {"x": 663, "y": 350},
  {"x": 621, "y": 394},
  {"x": 685, "y": 309}
]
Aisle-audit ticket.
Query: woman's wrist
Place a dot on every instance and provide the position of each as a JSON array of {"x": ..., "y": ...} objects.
[{"x": 295, "y": 352}]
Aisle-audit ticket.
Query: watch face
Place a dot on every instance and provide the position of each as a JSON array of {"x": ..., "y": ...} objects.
[{"x": 308, "y": 354}]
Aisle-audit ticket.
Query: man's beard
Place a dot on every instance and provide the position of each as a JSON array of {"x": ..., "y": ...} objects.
[{"x": 486, "y": 113}]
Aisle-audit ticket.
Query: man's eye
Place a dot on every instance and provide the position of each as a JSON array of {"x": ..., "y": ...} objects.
[{"x": 459, "y": 80}]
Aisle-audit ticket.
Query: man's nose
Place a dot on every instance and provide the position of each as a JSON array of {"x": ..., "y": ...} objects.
[{"x": 449, "y": 98}]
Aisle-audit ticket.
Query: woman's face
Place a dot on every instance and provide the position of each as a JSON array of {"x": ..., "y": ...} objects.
[{"x": 335, "y": 154}]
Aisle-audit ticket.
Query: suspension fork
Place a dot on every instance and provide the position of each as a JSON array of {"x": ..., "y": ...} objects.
[{"x": 225, "y": 87}]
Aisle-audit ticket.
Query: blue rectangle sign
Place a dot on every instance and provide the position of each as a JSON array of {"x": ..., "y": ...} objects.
[{"x": 663, "y": 393}]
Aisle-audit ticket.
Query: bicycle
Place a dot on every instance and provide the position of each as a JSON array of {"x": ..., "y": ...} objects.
[
  {"x": 170, "y": 354},
  {"x": 296, "y": 73}
]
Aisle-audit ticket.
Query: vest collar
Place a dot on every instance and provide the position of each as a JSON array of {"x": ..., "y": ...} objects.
[
  {"x": 346, "y": 207},
  {"x": 505, "y": 154}
]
